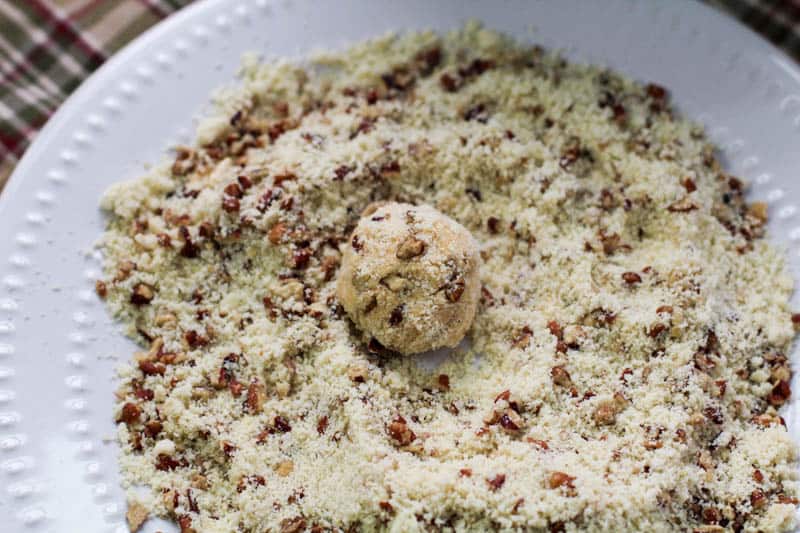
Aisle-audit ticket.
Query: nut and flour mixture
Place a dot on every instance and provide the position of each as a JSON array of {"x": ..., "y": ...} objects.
[{"x": 625, "y": 363}]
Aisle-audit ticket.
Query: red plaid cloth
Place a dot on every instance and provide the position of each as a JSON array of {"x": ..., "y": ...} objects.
[{"x": 47, "y": 47}]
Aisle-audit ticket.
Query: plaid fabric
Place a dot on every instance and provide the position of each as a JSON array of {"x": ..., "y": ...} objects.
[{"x": 47, "y": 47}]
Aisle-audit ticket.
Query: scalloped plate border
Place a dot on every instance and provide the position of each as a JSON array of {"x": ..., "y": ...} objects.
[{"x": 57, "y": 347}]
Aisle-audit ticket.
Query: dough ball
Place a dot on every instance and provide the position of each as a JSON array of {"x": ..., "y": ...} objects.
[{"x": 409, "y": 277}]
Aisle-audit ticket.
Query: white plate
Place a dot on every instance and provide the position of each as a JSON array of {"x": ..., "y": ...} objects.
[{"x": 57, "y": 347}]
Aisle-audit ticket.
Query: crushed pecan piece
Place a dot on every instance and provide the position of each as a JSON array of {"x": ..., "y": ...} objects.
[
  {"x": 780, "y": 393},
  {"x": 281, "y": 424},
  {"x": 539, "y": 443},
  {"x": 130, "y": 414},
  {"x": 322, "y": 425},
  {"x": 682, "y": 206},
  {"x": 560, "y": 376},
  {"x": 293, "y": 525},
  {"x": 497, "y": 482},
  {"x": 560, "y": 479},
  {"x": 396, "y": 317},
  {"x": 631, "y": 278},
  {"x": 410, "y": 248},
  {"x": 399, "y": 431},
  {"x": 136, "y": 515},
  {"x": 101, "y": 289},
  {"x": 165, "y": 462},
  {"x": 142, "y": 294},
  {"x": 523, "y": 338}
]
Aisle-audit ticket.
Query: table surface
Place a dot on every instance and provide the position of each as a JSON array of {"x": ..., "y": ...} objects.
[{"x": 48, "y": 47}]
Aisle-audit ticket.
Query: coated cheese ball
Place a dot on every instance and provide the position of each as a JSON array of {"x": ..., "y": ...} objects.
[{"x": 409, "y": 277}]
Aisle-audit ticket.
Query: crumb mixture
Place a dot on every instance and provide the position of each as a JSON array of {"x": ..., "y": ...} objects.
[{"x": 627, "y": 358}]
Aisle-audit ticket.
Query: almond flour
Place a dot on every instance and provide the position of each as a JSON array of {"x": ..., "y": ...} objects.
[{"x": 627, "y": 359}]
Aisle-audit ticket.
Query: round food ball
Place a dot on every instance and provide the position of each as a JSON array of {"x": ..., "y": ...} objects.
[{"x": 409, "y": 277}]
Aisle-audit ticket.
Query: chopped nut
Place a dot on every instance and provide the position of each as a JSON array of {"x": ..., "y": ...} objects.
[
  {"x": 539, "y": 443},
  {"x": 399, "y": 431},
  {"x": 256, "y": 395},
  {"x": 185, "y": 523},
  {"x": 150, "y": 369},
  {"x": 780, "y": 373},
  {"x": 322, "y": 425},
  {"x": 560, "y": 376},
  {"x": 230, "y": 204},
  {"x": 704, "y": 460},
  {"x": 496, "y": 482},
  {"x": 166, "y": 319},
  {"x": 136, "y": 515},
  {"x": 165, "y": 462},
  {"x": 289, "y": 288},
  {"x": 328, "y": 265},
  {"x": 612, "y": 243},
  {"x": 606, "y": 413},
  {"x": 194, "y": 339},
  {"x": 130, "y": 414},
  {"x": 631, "y": 278},
  {"x": 233, "y": 190},
  {"x": 796, "y": 321},
  {"x": 228, "y": 448},
  {"x": 356, "y": 243},
  {"x": 455, "y": 289},
  {"x": 523, "y": 338},
  {"x": 281, "y": 425},
  {"x": 711, "y": 515},
  {"x": 682, "y": 206},
  {"x": 300, "y": 258},
  {"x": 560, "y": 479},
  {"x": 396, "y": 316},
  {"x": 142, "y": 294},
  {"x": 656, "y": 330},
  {"x": 153, "y": 428},
  {"x": 411, "y": 247},
  {"x": 276, "y": 233},
  {"x": 780, "y": 393},
  {"x": 100, "y": 288},
  {"x": 293, "y": 525},
  {"x": 510, "y": 421},
  {"x": 758, "y": 499},
  {"x": 189, "y": 248},
  {"x": 572, "y": 335}
]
